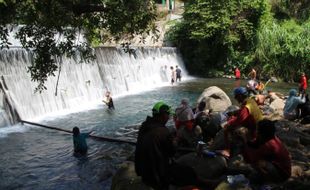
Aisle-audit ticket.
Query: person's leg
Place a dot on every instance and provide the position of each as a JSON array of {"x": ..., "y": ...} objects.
[{"x": 298, "y": 110}]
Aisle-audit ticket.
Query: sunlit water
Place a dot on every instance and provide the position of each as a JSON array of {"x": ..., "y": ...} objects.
[{"x": 38, "y": 158}]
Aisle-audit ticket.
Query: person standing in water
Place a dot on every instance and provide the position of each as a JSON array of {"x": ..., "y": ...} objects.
[
  {"x": 178, "y": 73},
  {"x": 302, "y": 85},
  {"x": 109, "y": 100},
  {"x": 79, "y": 141},
  {"x": 252, "y": 74},
  {"x": 237, "y": 73},
  {"x": 173, "y": 75}
]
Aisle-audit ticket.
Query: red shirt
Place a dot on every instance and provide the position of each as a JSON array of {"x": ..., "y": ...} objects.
[
  {"x": 188, "y": 124},
  {"x": 245, "y": 119},
  {"x": 237, "y": 74},
  {"x": 273, "y": 151},
  {"x": 303, "y": 82}
]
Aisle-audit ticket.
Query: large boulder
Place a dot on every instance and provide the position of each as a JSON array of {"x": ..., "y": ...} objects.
[
  {"x": 216, "y": 99},
  {"x": 277, "y": 105}
]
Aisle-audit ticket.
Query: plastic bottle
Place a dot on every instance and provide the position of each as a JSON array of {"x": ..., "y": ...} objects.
[
  {"x": 237, "y": 180},
  {"x": 208, "y": 153}
]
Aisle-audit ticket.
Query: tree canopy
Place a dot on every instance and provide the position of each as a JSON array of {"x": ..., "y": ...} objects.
[
  {"x": 49, "y": 28},
  {"x": 270, "y": 35}
]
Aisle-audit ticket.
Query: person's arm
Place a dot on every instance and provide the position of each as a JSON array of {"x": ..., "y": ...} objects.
[
  {"x": 241, "y": 117},
  {"x": 87, "y": 134},
  {"x": 301, "y": 100}
]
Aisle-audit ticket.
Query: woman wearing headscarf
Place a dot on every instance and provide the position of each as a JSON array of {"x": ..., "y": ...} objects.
[{"x": 290, "y": 111}]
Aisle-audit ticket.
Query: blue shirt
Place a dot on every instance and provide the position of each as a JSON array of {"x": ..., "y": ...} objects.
[
  {"x": 79, "y": 142},
  {"x": 291, "y": 104}
]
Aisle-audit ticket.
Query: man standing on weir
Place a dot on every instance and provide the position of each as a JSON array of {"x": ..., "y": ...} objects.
[{"x": 178, "y": 73}]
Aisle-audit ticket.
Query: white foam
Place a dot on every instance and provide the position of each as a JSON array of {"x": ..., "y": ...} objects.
[{"x": 4, "y": 131}]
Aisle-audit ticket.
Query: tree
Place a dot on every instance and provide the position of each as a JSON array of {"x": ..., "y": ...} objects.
[
  {"x": 49, "y": 28},
  {"x": 214, "y": 34},
  {"x": 282, "y": 49}
]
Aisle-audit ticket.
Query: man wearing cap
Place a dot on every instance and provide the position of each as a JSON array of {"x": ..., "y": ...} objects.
[
  {"x": 155, "y": 148},
  {"x": 248, "y": 116}
]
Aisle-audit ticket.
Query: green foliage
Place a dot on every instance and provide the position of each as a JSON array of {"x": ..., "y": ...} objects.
[
  {"x": 287, "y": 9},
  {"x": 283, "y": 49},
  {"x": 49, "y": 28},
  {"x": 214, "y": 33},
  {"x": 272, "y": 36}
]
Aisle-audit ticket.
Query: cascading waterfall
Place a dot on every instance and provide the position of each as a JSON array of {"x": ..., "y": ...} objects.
[{"x": 83, "y": 84}]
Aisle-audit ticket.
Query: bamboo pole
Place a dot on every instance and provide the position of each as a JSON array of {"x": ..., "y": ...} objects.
[{"x": 99, "y": 138}]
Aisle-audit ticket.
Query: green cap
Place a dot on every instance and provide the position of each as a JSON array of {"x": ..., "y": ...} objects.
[{"x": 161, "y": 107}]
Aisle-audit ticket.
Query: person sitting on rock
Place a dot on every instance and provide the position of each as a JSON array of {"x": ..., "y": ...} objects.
[
  {"x": 304, "y": 110},
  {"x": 245, "y": 120},
  {"x": 290, "y": 110},
  {"x": 302, "y": 84},
  {"x": 155, "y": 149},
  {"x": 267, "y": 155},
  {"x": 260, "y": 87},
  {"x": 251, "y": 87},
  {"x": 260, "y": 99},
  {"x": 184, "y": 123},
  {"x": 273, "y": 96},
  {"x": 202, "y": 119}
]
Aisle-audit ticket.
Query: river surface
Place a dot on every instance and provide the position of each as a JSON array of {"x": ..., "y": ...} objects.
[{"x": 38, "y": 158}]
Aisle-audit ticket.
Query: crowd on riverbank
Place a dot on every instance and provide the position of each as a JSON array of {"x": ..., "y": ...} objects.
[{"x": 218, "y": 126}]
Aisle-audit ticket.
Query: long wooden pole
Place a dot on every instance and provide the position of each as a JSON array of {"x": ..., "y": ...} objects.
[{"x": 100, "y": 138}]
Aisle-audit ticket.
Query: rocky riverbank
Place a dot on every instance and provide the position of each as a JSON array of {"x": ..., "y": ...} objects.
[{"x": 294, "y": 135}]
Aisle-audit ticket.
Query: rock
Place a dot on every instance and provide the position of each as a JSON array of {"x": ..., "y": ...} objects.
[
  {"x": 288, "y": 140},
  {"x": 127, "y": 179},
  {"x": 216, "y": 99},
  {"x": 277, "y": 105},
  {"x": 205, "y": 167}
]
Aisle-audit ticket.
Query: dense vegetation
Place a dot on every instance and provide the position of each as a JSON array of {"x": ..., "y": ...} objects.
[
  {"x": 48, "y": 27},
  {"x": 272, "y": 36}
]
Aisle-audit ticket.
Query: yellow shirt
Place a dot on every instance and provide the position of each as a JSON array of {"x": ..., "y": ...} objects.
[{"x": 254, "y": 109}]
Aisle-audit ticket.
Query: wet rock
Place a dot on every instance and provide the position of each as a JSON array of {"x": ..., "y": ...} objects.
[
  {"x": 277, "y": 105},
  {"x": 216, "y": 99},
  {"x": 205, "y": 167},
  {"x": 127, "y": 179}
]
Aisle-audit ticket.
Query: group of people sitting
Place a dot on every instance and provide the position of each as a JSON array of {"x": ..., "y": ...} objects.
[
  {"x": 157, "y": 145},
  {"x": 297, "y": 105}
]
